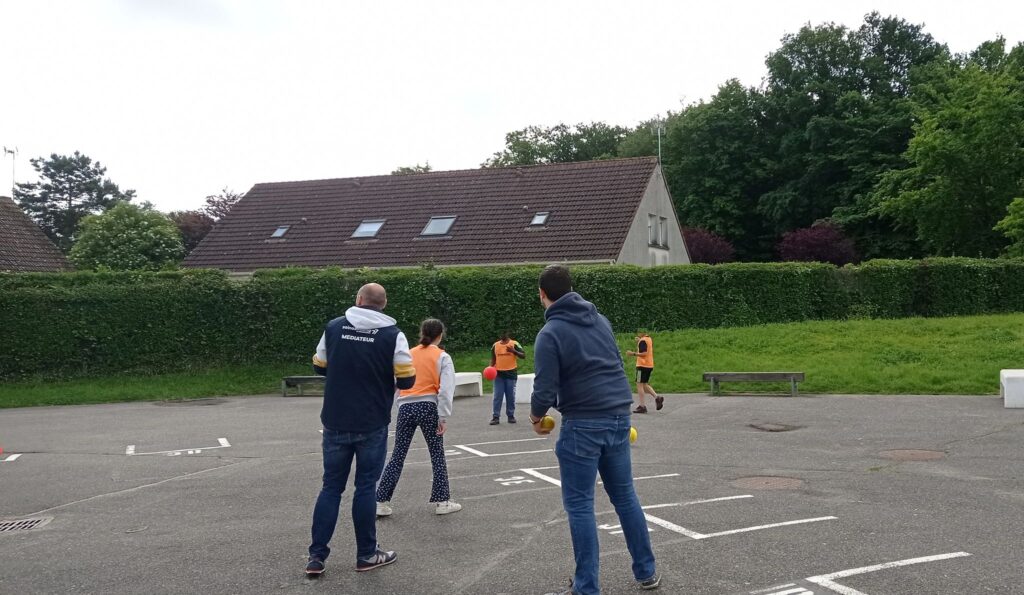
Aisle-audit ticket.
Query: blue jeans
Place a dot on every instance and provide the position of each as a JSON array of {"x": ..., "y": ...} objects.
[
  {"x": 505, "y": 387},
  {"x": 369, "y": 451},
  {"x": 585, "y": 448}
]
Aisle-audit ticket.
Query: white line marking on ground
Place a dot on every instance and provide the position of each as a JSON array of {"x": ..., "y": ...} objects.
[
  {"x": 673, "y": 527},
  {"x": 825, "y": 580},
  {"x": 130, "y": 450},
  {"x": 224, "y": 442},
  {"x": 691, "y": 502},
  {"x": 771, "y": 589},
  {"x": 771, "y": 526},
  {"x": 178, "y": 451},
  {"x": 505, "y": 441},
  {"x": 521, "y": 452},
  {"x": 649, "y": 477},
  {"x": 540, "y": 475},
  {"x": 471, "y": 451},
  {"x": 12, "y": 458}
]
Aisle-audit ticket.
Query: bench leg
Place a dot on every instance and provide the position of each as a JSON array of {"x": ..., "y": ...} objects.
[
  {"x": 714, "y": 386},
  {"x": 284, "y": 389},
  {"x": 792, "y": 391}
]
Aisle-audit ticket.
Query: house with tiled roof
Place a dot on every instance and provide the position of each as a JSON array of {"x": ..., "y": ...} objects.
[
  {"x": 611, "y": 211},
  {"x": 23, "y": 246}
]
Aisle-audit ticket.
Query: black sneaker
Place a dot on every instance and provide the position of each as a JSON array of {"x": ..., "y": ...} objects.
[
  {"x": 381, "y": 558},
  {"x": 495, "y": 421},
  {"x": 315, "y": 567},
  {"x": 511, "y": 419},
  {"x": 640, "y": 409},
  {"x": 659, "y": 402},
  {"x": 652, "y": 583}
]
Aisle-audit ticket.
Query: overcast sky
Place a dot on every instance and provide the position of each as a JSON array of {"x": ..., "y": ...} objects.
[{"x": 180, "y": 98}]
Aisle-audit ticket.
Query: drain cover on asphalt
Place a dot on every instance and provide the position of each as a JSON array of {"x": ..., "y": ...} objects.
[
  {"x": 768, "y": 482},
  {"x": 24, "y": 524},
  {"x": 912, "y": 455},
  {"x": 767, "y": 426},
  {"x": 189, "y": 402}
]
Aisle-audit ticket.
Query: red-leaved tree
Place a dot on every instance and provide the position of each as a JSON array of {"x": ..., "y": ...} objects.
[
  {"x": 707, "y": 247},
  {"x": 823, "y": 242}
]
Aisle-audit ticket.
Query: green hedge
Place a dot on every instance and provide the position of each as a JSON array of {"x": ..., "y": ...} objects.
[{"x": 97, "y": 323}]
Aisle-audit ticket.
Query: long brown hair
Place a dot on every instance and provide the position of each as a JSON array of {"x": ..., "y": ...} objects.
[{"x": 430, "y": 329}]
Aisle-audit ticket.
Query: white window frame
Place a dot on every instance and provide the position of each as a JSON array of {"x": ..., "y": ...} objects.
[
  {"x": 543, "y": 216},
  {"x": 368, "y": 222},
  {"x": 438, "y": 218},
  {"x": 663, "y": 231},
  {"x": 279, "y": 232}
]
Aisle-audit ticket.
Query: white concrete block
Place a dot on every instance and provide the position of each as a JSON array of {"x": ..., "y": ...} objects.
[
  {"x": 469, "y": 384},
  {"x": 524, "y": 388},
  {"x": 1011, "y": 388}
]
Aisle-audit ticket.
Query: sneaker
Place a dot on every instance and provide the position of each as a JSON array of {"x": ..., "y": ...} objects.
[
  {"x": 381, "y": 558},
  {"x": 447, "y": 507},
  {"x": 652, "y": 583},
  {"x": 315, "y": 567},
  {"x": 384, "y": 509},
  {"x": 511, "y": 419},
  {"x": 495, "y": 421},
  {"x": 640, "y": 409},
  {"x": 567, "y": 591},
  {"x": 659, "y": 402}
]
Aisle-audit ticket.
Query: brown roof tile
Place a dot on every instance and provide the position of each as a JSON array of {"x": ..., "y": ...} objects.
[
  {"x": 591, "y": 203},
  {"x": 23, "y": 246}
]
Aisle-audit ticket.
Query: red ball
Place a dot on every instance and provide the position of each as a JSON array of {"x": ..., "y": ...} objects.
[{"x": 490, "y": 372}]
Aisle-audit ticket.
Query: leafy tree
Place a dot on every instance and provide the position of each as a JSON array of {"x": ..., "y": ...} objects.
[
  {"x": 218, "y": 205},
  {"x": 822, "y": 243},
  {"x": 1012, "y": 226},
  {"x": 70, "y": 188},
  {"x": 966, "y": 160},
  {"x": 534, "y": 145},
  {"x": 706, "y": 247},
  {"x": 412, "y": 169},
  {"x": 193, "y": 226},
  {"x": 127, "y": 237},
  {"x": 714, "y": 163}
]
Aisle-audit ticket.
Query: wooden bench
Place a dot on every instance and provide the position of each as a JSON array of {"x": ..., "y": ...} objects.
[
  {"x": 716, "y": 378},
  {"x": 467, "y": 384},
  {"x": 300, "y": 381}
]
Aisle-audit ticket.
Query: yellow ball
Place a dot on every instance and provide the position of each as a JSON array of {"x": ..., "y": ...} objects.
[
  {"x": 547, "y": 422},
  {"x": 632, "y": 435}
]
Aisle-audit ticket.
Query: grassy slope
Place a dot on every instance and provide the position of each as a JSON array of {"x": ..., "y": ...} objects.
[{"x": 910, "y": 356}]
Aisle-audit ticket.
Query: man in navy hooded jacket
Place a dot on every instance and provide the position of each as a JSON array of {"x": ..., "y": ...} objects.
[{"x": 579, "y": 372}]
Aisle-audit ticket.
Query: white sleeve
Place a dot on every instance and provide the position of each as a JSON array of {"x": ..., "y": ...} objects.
[
  {"x": 446, "y": 395},
  {"x": 320, "y": 357},
  {"x": 402, "y": 355}
]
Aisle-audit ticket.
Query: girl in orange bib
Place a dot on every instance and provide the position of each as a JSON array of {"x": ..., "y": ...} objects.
[
  {"x": 644, "y": 366},
  {"x": 427, "y": 406}
]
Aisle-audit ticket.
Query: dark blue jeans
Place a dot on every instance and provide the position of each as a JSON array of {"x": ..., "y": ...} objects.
[
  {"x": 505, "y": 387},
  {"x": 585, "y": 448},
  {"x": 369, "y": 451}
]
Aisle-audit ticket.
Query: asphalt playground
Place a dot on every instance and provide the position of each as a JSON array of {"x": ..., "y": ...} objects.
[{"x": 850, "y": 495}]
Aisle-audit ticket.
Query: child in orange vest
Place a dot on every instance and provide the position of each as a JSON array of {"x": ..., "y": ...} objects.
[
  {"x": 644, "y": 366},
  {"x": 503, "y": 357},
  {"x": 427, "y": 406}
]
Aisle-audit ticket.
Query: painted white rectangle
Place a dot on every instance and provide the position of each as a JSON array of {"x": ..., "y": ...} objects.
[
  {"x": 826, "y": 580},
  {"x": 541, "y": 476},
  {"x": 224, "y": 442},
  {"x": 505, "y": 441},
  {"x": 11, "y": 458},
  {"x": 771, "y": 526},
  {"x": 130, "y": 450}
]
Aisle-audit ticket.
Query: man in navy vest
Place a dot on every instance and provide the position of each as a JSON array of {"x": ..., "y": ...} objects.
[{"x": 365, "y": 359}]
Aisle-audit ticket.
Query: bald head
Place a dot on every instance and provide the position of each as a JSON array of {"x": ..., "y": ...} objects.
[{"x": 372, "y": 295}]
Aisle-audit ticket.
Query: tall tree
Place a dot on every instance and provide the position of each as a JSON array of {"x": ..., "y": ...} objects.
[
  {"x": 70, "y": 188},
  {"x": 193, "y": 227},
  {"x": 839, "y": 116},
  {"x": 127, "y": 237},
  {"x": 218, "y": 205},
  {"x": 534, "y": 145},
  {"x": 966, "y": 160},
  {"x": 412, "y": 169}
]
